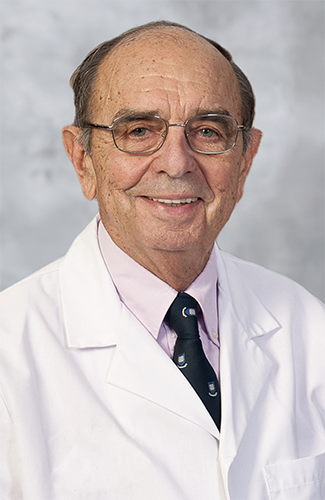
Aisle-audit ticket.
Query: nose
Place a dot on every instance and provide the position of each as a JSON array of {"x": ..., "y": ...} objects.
[{"x": 175, "y": 157}]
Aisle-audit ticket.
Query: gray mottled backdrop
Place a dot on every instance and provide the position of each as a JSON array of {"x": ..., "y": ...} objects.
[{"x": 279, "y": 44}]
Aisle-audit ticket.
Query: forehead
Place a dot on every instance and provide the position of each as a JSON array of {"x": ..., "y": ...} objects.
[{"x": 169, "y": 71}]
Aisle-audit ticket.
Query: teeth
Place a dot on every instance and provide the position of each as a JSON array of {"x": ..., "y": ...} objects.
[{"x": 174, "y": 203}]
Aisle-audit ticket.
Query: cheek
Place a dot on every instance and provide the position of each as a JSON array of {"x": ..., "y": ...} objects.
[
  {"x": 116, "y": 171},
  {"x": 224, "y": 182}
]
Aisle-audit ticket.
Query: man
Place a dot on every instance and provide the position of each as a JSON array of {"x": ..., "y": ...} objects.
[{"x": 99, "y": 396}]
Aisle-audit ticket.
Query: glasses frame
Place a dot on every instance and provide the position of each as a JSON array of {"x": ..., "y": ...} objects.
[{"x": 110, "y": 128}]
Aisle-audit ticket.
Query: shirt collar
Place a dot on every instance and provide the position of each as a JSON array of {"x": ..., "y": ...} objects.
[
  {"x": 143, "y": 293},
  {"x": 204, "y": 290}
]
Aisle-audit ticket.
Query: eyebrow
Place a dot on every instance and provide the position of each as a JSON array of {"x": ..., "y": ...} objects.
[
  {"x": 134, "y": 112},
  {"x": 209, "y": 111},
  {"x": 158, "y": 112}
]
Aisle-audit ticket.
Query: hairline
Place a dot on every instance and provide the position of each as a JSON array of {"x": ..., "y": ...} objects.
[{"x": 133, "y": 35}]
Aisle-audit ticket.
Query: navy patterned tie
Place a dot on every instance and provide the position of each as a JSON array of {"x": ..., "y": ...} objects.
[{"x": 189, "y": 355}]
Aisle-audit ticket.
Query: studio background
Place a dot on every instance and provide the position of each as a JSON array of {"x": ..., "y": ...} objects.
[{"x": 279, "y": 45}]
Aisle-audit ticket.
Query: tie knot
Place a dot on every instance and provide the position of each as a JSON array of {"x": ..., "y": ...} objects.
[{"x": 182, "y": 316}]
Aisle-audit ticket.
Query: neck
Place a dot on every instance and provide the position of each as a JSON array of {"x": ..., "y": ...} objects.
[{"x": 176, "y": 268}]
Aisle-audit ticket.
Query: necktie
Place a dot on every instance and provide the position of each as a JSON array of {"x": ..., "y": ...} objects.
[{"x": 189, "y": 355}]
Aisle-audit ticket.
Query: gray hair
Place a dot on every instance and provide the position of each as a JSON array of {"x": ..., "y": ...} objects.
[{"x": 84, "y": 77}]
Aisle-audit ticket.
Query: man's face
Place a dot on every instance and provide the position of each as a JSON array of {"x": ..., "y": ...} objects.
[{"x": 176, "y": 77}]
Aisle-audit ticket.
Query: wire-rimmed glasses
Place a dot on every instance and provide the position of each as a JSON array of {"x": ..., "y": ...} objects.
[{"x": 145, "y": 133}]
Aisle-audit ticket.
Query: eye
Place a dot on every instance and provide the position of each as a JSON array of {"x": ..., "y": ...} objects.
[
  {"x": 139, "y": 131},
  {"x": 207, "y": 132}
]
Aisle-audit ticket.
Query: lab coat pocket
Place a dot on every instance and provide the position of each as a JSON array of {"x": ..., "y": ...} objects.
[{"x": 301, "y": 479}]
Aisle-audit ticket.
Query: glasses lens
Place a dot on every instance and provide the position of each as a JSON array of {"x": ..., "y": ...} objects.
[
  {"x": 139, "y": 133},
  {"x": 212, "y": 133}
]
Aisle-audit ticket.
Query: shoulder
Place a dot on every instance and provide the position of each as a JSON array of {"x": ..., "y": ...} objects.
[
  {"x": 43, "y": 285},
  {"x": 36, "y": 302},
  {"x": 38, "y": 291},
  {"x": 276, "y": 292},
  {"x": 40, "y": 278}
]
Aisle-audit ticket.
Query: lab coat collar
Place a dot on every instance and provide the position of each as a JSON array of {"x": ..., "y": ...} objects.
[
  {"x": 91, "y": 307},
  {"x": 95, "y": 317},
  {"x": 86, "y": 286},
  {"x": 236, "y": 293}
]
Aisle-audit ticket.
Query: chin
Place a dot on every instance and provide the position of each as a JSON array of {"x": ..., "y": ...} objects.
[{"x": 176, "y": 242}]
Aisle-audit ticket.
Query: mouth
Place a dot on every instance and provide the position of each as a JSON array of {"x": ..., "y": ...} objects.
[{"x": 173, "y": 203}]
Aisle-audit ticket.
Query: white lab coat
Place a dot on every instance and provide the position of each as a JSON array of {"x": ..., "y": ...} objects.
[{"x": 92, "y": 408}]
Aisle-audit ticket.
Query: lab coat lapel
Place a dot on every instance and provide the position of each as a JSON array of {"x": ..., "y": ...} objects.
[
  {"x": 140, "y": 366},
  {"x": 94, "y": 317},
  {"x": 244, "y": 367},
  {"x": 90, "y": 305}
]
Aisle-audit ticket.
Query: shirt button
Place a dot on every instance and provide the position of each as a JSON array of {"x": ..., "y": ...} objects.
[{"x": 214, "y": 334}]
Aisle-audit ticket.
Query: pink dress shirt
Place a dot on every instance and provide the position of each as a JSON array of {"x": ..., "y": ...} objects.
[{"x": 149, "y": 298}]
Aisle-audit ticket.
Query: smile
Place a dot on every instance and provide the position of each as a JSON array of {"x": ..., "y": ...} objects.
[{"x": 174, "y": 203}]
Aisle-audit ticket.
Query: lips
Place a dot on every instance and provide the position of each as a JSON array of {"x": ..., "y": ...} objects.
[{"x": 173, "y": 203}]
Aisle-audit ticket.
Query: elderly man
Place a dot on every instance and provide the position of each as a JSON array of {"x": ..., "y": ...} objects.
[{"x": 146, "y": 363}]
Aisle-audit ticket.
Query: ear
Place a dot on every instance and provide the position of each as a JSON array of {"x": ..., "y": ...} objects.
[
  {"x": 247, "y": 159},
  {"x": 81, "y": 161}
]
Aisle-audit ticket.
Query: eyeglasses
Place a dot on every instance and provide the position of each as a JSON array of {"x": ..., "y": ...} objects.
[{"x": 144, "y": 134}]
